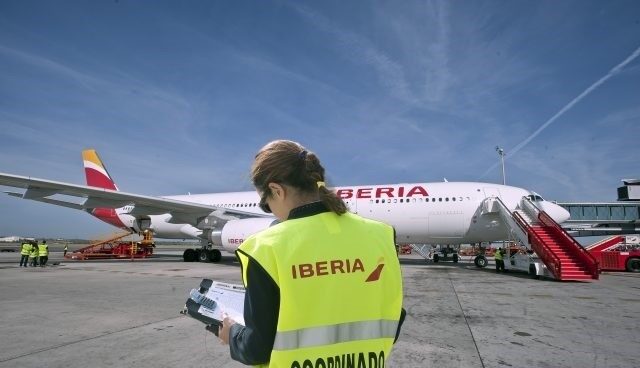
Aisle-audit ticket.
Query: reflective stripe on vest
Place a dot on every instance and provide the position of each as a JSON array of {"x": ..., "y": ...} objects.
[
  {"x": 43, "y": 250},
  {"x": 327, "y": 335},
  {"x": 25, "y": 249}
]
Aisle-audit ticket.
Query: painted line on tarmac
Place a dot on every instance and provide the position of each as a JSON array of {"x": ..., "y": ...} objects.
[{"x": 467, "y": 322}]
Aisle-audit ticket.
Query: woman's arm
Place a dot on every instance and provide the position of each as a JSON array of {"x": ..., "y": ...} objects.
[{"x": 252, "y": 344}]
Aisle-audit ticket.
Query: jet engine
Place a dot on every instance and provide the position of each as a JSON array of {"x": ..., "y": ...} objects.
[{"x": 234, "y": 232}]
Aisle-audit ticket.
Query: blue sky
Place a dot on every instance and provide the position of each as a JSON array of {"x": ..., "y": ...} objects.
[{"x": 178, "y": 96}]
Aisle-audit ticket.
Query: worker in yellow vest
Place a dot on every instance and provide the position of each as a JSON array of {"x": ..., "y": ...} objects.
[
  {"x": 323, "y": 286},
  {"x": 25, "y": 250},
  {"x": 499, "y": 258},
  {"x": 66, "y": 249},
  {"x": 34, "y": 254},
  {"x": 43, "y": 253}
]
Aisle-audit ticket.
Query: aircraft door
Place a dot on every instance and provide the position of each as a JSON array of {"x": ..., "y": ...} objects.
[{"x": 491, "y": 192}]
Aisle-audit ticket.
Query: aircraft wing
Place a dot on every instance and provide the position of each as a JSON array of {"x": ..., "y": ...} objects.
[{"x": 182, "y": 211}]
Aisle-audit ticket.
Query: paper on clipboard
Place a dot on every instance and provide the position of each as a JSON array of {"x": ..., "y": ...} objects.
[{"x": 220, "y": 300}]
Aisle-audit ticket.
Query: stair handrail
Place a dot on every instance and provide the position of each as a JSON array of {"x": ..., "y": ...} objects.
[
  {"x": 547, "y": 255},
  {"x": 592, "y": 263},
  {"x": 531, "y": 207}
]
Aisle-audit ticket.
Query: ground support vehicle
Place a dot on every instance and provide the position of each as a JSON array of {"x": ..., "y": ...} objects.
[
  {"x": 116, "y": 247},
  {"x": 617, "y": 253}
]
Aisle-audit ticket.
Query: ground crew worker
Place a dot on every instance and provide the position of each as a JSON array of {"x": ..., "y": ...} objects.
[
  {"x": 25, "y": 250},
  {"x": 43, "y": 253},
  {"x": 499, "y": 257},
  {"x": 34, "y": 254},
  {"x": 323, "y": 286},
  {"x": 66, "y": 248}
]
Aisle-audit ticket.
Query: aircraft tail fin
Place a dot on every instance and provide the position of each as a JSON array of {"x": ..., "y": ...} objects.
[{"x": 95, "y": 171}]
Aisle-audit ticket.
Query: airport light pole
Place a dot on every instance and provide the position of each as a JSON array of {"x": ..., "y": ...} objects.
[{"x": 501, "y": 153}]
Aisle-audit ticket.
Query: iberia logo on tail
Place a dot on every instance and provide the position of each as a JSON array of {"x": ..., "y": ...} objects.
[{"x": 97, "y": 175}]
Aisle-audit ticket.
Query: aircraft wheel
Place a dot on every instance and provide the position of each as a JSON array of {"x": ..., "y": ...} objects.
[
  {"x": 455, "y": 258},
  {"x": 436, "y": 258},
  {"x": 480, "y": 261},
  {"x": 633, "y": 265},
  {"x": 189, "y": 255},
  {"x": 215, "y": 255},
  {"x": 203, "y": 255}
]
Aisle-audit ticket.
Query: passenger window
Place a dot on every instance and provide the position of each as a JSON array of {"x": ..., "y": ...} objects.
[
  {"x": 446, "y": 199},
  {"x": 440, "y": 199},
  {"x": 453, "y": 199}
]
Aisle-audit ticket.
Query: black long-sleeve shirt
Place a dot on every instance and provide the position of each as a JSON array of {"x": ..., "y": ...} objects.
[{"x": 252, "y": 344}]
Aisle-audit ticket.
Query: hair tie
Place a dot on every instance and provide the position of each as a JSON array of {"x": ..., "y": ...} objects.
[
  {"x": 320, "y": 184},
  {"x": 302, "y": 155}
]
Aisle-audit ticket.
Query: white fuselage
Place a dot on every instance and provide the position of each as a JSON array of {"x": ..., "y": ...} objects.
[{"x": 427, "y": 213}]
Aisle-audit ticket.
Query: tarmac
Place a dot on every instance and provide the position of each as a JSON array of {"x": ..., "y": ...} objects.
[{"x": 126, "y": 314}]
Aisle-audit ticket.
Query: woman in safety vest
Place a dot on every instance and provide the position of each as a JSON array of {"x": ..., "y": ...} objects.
[{"x": 323, "y": 286}]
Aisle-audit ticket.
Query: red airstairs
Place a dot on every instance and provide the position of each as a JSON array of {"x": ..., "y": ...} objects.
[{"x": 563, "y": 256}]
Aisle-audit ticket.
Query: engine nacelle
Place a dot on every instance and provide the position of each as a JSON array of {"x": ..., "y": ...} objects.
[{"x": 234, "y": 232}]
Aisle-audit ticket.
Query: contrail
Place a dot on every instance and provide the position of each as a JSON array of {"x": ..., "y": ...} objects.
[{"x": 615, "y": 70}]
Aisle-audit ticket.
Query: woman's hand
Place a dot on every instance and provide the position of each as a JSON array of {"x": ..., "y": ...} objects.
[{"x": 223, "y": 333}]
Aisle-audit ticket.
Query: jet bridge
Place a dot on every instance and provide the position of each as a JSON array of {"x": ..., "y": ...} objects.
[
  {"x": 597, "y": 219},
  {"x": 563, "y": 257}
]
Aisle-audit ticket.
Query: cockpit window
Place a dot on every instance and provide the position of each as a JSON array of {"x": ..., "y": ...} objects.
[{"x": 535, "y": 198}]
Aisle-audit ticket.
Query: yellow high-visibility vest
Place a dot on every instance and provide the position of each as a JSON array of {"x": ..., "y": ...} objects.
[
  {"x": 498, "y": 255},
  {"x": 25, "y": 249},
  {"x": 43, "y": 250},
  {"x": 340, "y": 289},
  {"x": 34, "y": 252}
]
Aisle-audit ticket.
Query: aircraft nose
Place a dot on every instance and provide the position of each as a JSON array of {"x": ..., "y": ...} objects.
[{"x": 557, "y": 213}]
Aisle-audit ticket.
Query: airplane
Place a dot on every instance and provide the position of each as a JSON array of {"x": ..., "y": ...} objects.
[{"x": 421, "y": 213}]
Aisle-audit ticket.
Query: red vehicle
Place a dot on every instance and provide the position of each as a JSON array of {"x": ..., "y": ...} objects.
[
  {"x": 115, "y": 247},
  {"x": 618, "y": 253}
]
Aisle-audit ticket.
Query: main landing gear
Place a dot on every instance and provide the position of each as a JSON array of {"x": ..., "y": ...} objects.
[{"x": 202, "y": 255}]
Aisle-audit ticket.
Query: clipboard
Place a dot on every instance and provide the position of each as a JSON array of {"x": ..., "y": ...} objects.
[{"x": 213, "y": 300}]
